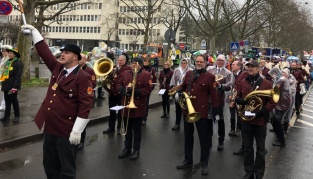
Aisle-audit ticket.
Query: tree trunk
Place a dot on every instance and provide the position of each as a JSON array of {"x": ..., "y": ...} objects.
[
  {"x": 24, "y": 42},
  {"x": 212, "y": 45}
]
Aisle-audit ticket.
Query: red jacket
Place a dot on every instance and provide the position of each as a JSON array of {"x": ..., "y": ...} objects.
[
  {"x": 165, "y": 79},
  {"x": 71, "y": 99},
  {"x": 299, "y": 75},
  {"x": 92, "y": 74},
  {"x": 143, "y": 89},
  {"x": 245, "y": 88},
  {"x": 116, "y": 78},
  {"x": 266, "y": 75},
  {"x": 202, "y": 88}
]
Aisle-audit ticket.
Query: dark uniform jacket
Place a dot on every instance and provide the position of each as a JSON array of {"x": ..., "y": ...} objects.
[
  {"x": 299, "y": 75},
  {"x": 165, "y": 80},
  {"x": 202, "y": 88},
  {"x": 241, "y": 76},
  {"x": 266, "y": 75},
  {"x": 117, "y": 76},
  {"x": 92, "y": 74},
  {"x": 153, "y": 74},
  {"x": 143, "y": 89},
  {"x": 72, "y": 98},
  {"x": 15, "y": 75},
  {"x": 246, "y": 87}
]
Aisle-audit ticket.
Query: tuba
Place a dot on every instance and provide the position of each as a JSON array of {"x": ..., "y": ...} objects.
[
  {"x": 192, "y": 115},
  {"x": 103, "y": 67},
  {"x": 255, "y": 103}
]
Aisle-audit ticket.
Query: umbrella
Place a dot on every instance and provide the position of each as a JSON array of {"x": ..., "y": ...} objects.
[{"x": 292, "y": 58}]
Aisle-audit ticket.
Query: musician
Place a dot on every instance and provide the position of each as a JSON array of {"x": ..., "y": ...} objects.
[
  {"x": 221, "y": 86},
  {"x": 114, "y": 95},
  {"x": 257, "y": 127},
  {"x": 164, "y": 80},
  {"x": 199, "y": 83},
  {"x": 299, "y": 74},
  {"x": 177, "y": 79},
  {"x": 264, "y": 71},
  {"x": 239, "y": 74},
  {"x": 64, "y": 112},
  {"x": 285, "y": 99},
  {"x": 5, "y": 57},
  {"x": 147, "y": 67},
  {"x": 143, "y": 88},
  {"x": 83, "y": 65}
]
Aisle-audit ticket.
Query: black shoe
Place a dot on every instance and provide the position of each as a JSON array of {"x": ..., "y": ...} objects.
[
  {"x": 239, "y": 152},
  {"x": 248, "y": 176},
  {"x": 16, "y": 119},
  {"x": 164, "y": 115},
  {"x": 109, "y": 130},
  {"x": 80, "y": 146},
  {"x": 220, "y": 146},
  {"x": 134, "y": 155},
  {"x": 205, "y": 170},
  {"x": 143, "y": 122},
  {"x": 125, "y": 153},
  {"x": 184, "y": 165},
  {"x": 4, "y": 119},
  {"x": 176, "y": 127},
  {"x": 278, "y": 144},
  {"x": 271, "y": 130}
]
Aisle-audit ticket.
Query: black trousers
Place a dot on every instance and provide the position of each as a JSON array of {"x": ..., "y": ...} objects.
[
  {"x": 166, "y": 102},
  {"x": 11, "y": 99},
  {"x": 205, "y": 137},
  {"x": 233, "y": 115},
  {"x": 113, "y": 101},
  {"x": 147, "y": 109},
  {"x": 59, "y": 157},
  {"x": 298, "y": 102},
  {"x": 178, "y": 113},
  {"x": 221, "y": 123},
  {"x": 133, "y": 130},
  {"x": 278, "y": 128},
  {"x": 251, "y": 132}
]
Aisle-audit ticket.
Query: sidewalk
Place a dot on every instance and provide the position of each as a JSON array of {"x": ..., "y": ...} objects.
[{"x": 30, "y": 100}]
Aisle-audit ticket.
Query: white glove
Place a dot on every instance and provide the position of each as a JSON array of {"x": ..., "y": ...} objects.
[
  {"x": 177, "y": 97},
  {"x": 78, "y": 128},
  {"x": 29, "y": 29}
]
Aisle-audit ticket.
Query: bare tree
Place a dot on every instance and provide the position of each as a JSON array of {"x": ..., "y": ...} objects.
[{"x": 145, "y": 11}]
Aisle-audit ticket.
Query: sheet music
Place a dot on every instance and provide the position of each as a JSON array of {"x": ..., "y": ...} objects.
[
  {"x": 248, "y": 113},
  {"x": 162, "y": 91},
  {"x": 117, "y": 108}
]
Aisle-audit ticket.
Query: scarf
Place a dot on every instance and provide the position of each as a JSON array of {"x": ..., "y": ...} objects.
[{"x": 6, "y": 69}]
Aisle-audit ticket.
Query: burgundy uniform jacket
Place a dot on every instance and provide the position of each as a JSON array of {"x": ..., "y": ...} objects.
[
  {"x": 71, "y": 99},
  {"x": 241, "y": 76},
  {"x": 116, "y": 78},
  {"x": 266, "y": 75},
  {"x": 202, "y": 88},
  {"x": 245, "y": 88},
  {"x": 92, "y": 74},
  {"x": 165, "y": 80},
  {"x": 143, "y": 89},
  {"x": 299, "y": 75}
]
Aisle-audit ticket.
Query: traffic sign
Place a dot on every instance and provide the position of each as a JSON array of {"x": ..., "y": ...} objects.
[
  {"x": 234, "y": 46},
  {"x": 3, "y": 19},
  {"x": 241, "y": 43},
  {"x": 5, "y": 8},
  {"x": 169, "y": 35},
  {"x": 182, "y": 46},
  {"x": 203, "y": 44},
  {"x": 246, "y": 43}
]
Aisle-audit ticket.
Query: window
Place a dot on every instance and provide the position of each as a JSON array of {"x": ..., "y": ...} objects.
[
  {"x": 127, "y": 31},
  {"x": 100, "y": 5},
  {"x": 126, "y": 46},
  {"x": 89, "y": 6},
  {"x": 135, "y": 31},
  {"x": 81, "y": 18},
  {"x": 87, "y": 29},
  {"x": 85, "y": 18},
  {"x": 135, "y": 20},
  {"x": 84, "y": 29},
  {"x": 123, "y": 31},
  {"x": 125, "y": 8},
  {"x": 154, "y": 32},
  {"x": 85, "y": 6},
  {"x": 69, "y": 29},
  {"x": 74, "y": 18},
  {"x": 92, "y": 17},
  {"x": 130, "y": 31},
  {"x": 154, "y": 20},
  {"x": 98, "y": 29},
  {"x": 95, "y": 29},
  {"x": 53, "y": 29},
  {"x": 91, "y": 29},
  {"x": 150, "y": 31},
  {"x": 96, "y": 18},
  {"x": 158, "y": 32},
  {"x": 67, "y": 18},
  {"x": 63, "y": 29},
  {"x": 121, "y": 8},
  {"x": 77, "y": 30},
  {"x": 119, "y": 31},
  {"x": 139, "y": 20},
  {"x": 159, "y": 9},
  {"x": 80, "y": 29},
  {"x": 71, "y": 18},
  {"x": 88, "y": 18},
  {"x": 66, "y": 29}
]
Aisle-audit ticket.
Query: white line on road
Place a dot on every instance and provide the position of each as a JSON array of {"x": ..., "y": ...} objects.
[
  {"x": 306, "y": 109},
  {"x": 311, "y": 102},
  {"x": 306, "y": 115},
  {"x": 304, "y": 122}
]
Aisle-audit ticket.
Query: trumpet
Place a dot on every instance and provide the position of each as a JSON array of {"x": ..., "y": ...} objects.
[
  {"x": 192, "y": 115},
  {"x": 219, "y": 77},
  {"x": 173, "y": 90},
  {"x": 131, "y": 104}
]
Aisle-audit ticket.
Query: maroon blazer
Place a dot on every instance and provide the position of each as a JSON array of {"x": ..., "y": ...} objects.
[
  {"x": 266, "y": 75},
  {"x": 92, "y": 74},
  {"x": 153, "y": 75},
  {"x": 165, "y": 78},
  {"x": 241, "y": 76},
  {"x": 143, "y": 89},
  {"x": 245, "y": 88},
  {"x": 116, "y": 78},
  {"x": 203, "y": 88},
  {"x": 299, "y": 75},
  {"x": 71, "y": 99}
]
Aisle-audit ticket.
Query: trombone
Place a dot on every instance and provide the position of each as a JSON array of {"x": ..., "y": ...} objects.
[{"x": 131, "y": 104}]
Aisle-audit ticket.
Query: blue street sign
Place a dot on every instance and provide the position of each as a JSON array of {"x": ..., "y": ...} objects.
[
  {"x": 246, "y": 42},
  {"x": 234, "y": 46}
]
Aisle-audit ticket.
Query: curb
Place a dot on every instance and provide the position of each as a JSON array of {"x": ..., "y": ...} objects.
[{"x": 39, "y": 136}]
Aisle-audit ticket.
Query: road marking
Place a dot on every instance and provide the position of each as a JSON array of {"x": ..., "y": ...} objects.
[
  {"x": 304, "y": 122},
  {"x": 309, "y": 101},
  {"x": 306, "y": 115},
  {"x": 305, "y": 109},
  {"x": 301, "y": 127}
]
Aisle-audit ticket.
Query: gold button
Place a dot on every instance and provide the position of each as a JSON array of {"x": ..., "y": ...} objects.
[
  {"x": 54, "y": 94},
  {"x": 51, "y": 101},
  {"x": 70, "y": 118},
  {"x": 202, "y": 106},
  {"x": 48, "y": 109},
  {"x": 70, "y": 89}
]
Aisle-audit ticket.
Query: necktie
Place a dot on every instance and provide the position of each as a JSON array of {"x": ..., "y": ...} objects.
[
  {"x": 64, "y": 73},
  {"x": 218, "y": 71}
]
